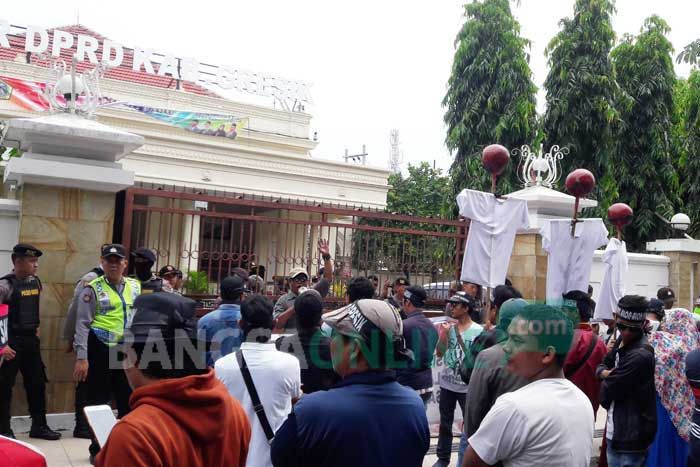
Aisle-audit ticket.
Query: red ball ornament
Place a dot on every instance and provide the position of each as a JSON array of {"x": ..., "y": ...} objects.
[
  {"x": 620, "y": 214},
  {"x": 580, "y": 182},
  {"x": 495, "y": 158}
]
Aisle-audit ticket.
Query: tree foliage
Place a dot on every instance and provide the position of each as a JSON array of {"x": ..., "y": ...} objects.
[
  {"x": 688, "y": 133},
  {"x": 690, "y": 53},
  {"x": 490, "y": 97},
  {"x": 425, "y": 192},
  {"x": 644, "y": 167},
  {"x": 581, "y": 111}
]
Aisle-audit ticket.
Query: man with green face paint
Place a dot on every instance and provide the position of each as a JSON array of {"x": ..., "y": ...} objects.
[
  {"x": 489, "y": 378},
  {"x": 547, "y": 422}
]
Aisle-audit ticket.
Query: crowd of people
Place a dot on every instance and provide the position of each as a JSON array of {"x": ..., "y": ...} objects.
[{"x": 291, "y": 384}]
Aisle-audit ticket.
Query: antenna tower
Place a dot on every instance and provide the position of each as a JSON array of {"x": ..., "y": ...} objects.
[{"x": 395, "y": 159}]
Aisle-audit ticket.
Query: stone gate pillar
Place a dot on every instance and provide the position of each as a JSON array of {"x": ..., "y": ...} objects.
[
  {"x": 67, "y": 180},
  {"x": 684, "y": 275}
]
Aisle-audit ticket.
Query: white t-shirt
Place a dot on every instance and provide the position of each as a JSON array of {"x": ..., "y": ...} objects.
[
  {"x": 277, "y": 378},
  {"x": 494, "y": 223},
  {"x": 612, "y": 289},
  {"x": 570, "y": 258},
  {"x": 548, "y": 423}
]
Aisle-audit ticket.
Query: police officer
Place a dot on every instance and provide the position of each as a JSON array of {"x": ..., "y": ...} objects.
[
  {"x": 144, "y": 259},
  {"x": 21, "y": 290},
  {"x": 171, "y": 276},
  {"x": 82, "y": 429},
  {"x": 104, "y": 310}
]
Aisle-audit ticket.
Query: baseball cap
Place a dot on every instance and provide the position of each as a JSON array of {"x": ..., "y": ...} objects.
[
  {"x": 360, "y": 318},
  {"x": 462, "y": 298},
  {"x": 25, "y": 249},
  {"x": 144, "y": 253},
  {"x": 165, "y": 270},
  {"x": 416, "y": 295},
  {"x": 298, "y": 271},
  {"x": 401, "y": 281},
  {"x": 665, "y": 293},
  {"x": 232, "y": 285},
  {"x": 113, "y": 249},
  {"x": 173, "y": 315}
]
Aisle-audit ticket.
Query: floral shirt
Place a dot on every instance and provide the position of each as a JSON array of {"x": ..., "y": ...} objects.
[{"x": 676, "y": 337}]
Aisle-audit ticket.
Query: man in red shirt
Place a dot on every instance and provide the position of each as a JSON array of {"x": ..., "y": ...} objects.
[{"x": 587, "y": 350}]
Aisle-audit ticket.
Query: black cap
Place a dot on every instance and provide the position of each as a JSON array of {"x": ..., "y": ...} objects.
[
  {"x": 113, "y": 249},
  {"x": 401, "y": 281},
  {"x": 144, "y": 253},
  {"x": 416, "y": 295},
  {"x": 232, "y": 286},
  {"x": 165, "y": 270},
  {"x": 665, "y": 293},
  {"x": 633, "y": 308},
  {"x": 462, "y": 298},
  {"x": 171, "y": 314},
  {"x": 26, "y": 250}
]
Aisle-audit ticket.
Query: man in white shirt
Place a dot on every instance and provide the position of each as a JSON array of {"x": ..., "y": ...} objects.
[
  {"x": 549, "y": 422},
  {"x": 494, "y": 223},
  {"x": 276, "y": 376}
]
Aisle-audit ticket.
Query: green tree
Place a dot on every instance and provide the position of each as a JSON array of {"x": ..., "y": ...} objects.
[
  {"x": 690, "y": 53},
  {"x": 644, "y": 168},
  {"x": 581, "y": 90},
  {"x": 490, "y": 97},
  {"x": 688, "y": 110},
  {"x": 424, "y": 192}
]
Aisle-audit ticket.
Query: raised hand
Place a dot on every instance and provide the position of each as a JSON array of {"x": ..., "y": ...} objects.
[{"x": 323, "y": 247}]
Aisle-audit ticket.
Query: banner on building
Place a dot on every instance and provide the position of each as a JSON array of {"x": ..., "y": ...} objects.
[
  {"x": 29, "y": 95},
  {"x": 224, "y": 126}
]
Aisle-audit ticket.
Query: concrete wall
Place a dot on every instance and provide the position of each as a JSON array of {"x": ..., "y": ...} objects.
[{"x": 647, "y": 273}]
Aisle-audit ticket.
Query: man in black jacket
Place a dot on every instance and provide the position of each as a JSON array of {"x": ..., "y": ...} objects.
[
  {"x": 627, "y": 388},
  {"x": 421, "y": 338}
]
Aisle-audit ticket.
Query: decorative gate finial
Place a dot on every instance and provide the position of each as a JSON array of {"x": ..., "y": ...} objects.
[{"x": 540, "y": 169}]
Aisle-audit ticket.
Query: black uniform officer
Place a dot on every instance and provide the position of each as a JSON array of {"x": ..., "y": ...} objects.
[
  {"x": 21, "y": 290},
  {"x": 144, "y": 259}
]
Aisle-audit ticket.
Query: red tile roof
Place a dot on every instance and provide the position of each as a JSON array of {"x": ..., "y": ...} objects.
[{"x": 123, "y": 72}]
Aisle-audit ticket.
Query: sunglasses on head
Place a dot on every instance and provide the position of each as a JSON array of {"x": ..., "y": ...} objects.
[
  {"x": 300, "y": 279},
  {"x": 622, "y": 327}
]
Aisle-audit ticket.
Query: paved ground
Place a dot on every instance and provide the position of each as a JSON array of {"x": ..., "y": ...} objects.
[{"x": 73, "y": 452}]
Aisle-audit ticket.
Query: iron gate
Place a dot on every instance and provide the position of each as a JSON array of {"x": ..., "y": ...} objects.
[{"x": 207, "y": 235}]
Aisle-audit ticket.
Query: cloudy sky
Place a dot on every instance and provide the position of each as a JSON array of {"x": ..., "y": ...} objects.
[{"x": 374, "y": 65}]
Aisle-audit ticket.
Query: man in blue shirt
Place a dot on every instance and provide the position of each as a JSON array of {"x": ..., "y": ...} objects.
[
  {"x": 220, "y": 327},
  {"x": 368, "y": 418}
]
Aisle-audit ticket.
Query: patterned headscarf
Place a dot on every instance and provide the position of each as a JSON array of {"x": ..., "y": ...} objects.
[{"x": 676, "y": 337}]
